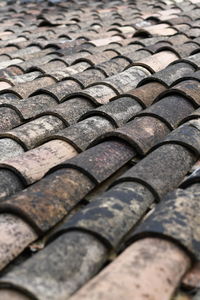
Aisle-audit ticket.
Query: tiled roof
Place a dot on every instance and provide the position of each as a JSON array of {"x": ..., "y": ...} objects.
[{"x": 99, "y": 150}]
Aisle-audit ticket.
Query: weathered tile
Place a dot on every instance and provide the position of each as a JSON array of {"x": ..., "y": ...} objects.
[
  {"x": 191, "y": 279},
  {"x": 105, "y": 41},
  {"x": 98, "y": 58},
  {"x": 127, "y": 80},
  {"x": 188, "y": 88},
  {"x": 42, "y": 278},
  {"x": 49, "y": 67},
  {"x": 160, "y": 29},
  {"x": 176, "y": 214},
  {"x": 135, "y": 56},
  {"x": 158, "y": 61},
  {"x": 9, "y": 118},
  {"x": 13, "y": 230},
  {"x": 142, "y": 133},
  {"x": 24, "y": 78},
  {"x": 147, "y": 93},
  {"x": 102, "y": 160},
  {"x": 98, "y": 94},
  {"x": 112, "y": 214},
  {"x": 187, "y": 135},
  {"x": 10, "y": 71},
  {"x": 11, "y": 62},
  {"x": 170, "y": 74},
  {"x": 60, "y": 89},
  {"x": 164, "y": 109},
  {"x": 46, "y": 202},
  {"x": 118, "y": 111},
  {"x": 32, "y": 133},
  {"x": 71, "y": 110},
  {"x": 152, "y": 258},
  {"x": 81, "y": 134},
  {"x": 157, "y": 46},
  {"x": 33, "y": 165},
  {"x": 8, "y": 49},
  {"x": 192, "y": 179},
  {"x": 88, "y": 77},
  {"x": 113, "y": 66},
  {"x": 60, "y": 74},
  {"x": 10, "y": 183},
  {"x": 160, "y": 177},
  {"x": 195, "y": 58},
  {"x": 186, "y": 49},
  {"x": 129, "y": 48},
  {"x": 19, "y": 53},
  {"x": 26, "y": 89},
  {"x": 31, "y": 63},
  {"x": 193, "y": 32},
  {"x": 27, "y": 108},
  {"x": 69, "y": 59}
]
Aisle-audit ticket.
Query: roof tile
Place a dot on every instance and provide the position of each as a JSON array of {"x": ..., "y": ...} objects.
[{"x": 98, "y": 124}]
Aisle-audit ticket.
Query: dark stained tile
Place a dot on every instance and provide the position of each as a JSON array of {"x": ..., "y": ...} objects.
[
  {"x": 155, "y": 175},
  {"x": 69, "y": 111},
  {"x": 56, "y": 199},
  {"x": 187, "y": 136},
  {"x": 141, "y": 133},
  {"x": 112, "y": 67},
  {"x": 102, "y": 160},
  {"x": 186, "y": 49},
  {"x": 58, "y": 90},
  {"x": 104, "y": 217},
  {"x": 27, "y": 108},
  {"x": 188, "y": 88},
  {"x": 157, "y": 46},
  {"x": 147, "y": 93},
  {"x": 9, "y": 118},
  {"x": 164, "y": 109},
  {"x": 118, "y": 112},
  {"x": 66, "y": 248},
  {"x": 81, "y": 134},
  {"x": 181, "y": 206}
]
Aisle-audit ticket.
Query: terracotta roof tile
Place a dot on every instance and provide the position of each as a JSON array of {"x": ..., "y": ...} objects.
[
  {"x": 23, "y": 90},
  {"x": 30, "y": 134},
  {"x": 162, "y": 254},
  {"x": 118, "y": 111},
  {"x": 99, "y": 106},
  {"x": 32, "y": 165},
  {"x": 171, "y": 74},
  {"x": 141, "y": 134}
]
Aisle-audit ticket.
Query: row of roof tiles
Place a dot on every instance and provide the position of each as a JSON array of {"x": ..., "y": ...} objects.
[{"x": 98, "y": 95}]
